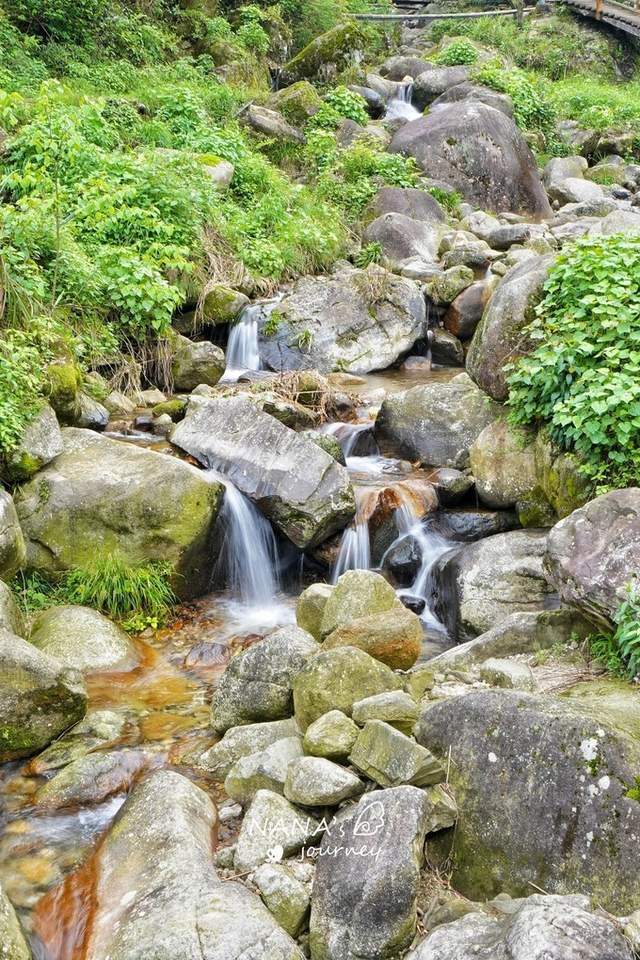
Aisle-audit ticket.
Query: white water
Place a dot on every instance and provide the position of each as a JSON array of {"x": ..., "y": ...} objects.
[
  {"x": 355, "y": 547},
  {"x": 242, "y": 347},
  {"x": 346, "y": 434},
  {"x": 400, "y": 107}
]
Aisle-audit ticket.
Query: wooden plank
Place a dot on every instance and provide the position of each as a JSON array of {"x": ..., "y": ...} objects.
[{"x": 425, "y": 17}]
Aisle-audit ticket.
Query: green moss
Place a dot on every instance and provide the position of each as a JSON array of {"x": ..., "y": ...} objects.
[
  {"x": 333, "y": 51},
  {"x": 64, "y": 381},
  {"x": 297, "y": 102},
  {"x": 176, "y": 408}
]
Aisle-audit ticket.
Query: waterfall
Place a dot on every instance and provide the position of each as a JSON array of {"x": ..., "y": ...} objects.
[
  {"x": 355, "y": 547},
  {"x": 400, "y": 106},
  {"x": 348, "y": 434},
  {"x": 242, "y": 347},
  {"x": 249, "y": 554}
]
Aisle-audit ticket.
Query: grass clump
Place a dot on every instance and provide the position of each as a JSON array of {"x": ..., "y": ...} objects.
[
  {"x": 619, "y": 652},
  {"x": 582, "y": 380},
  {"x": 459, "y": 52}
]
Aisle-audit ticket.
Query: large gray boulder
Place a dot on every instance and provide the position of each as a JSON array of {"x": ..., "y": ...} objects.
[
  {"x": 541, "y": 928},
  {"x": 257, "y": 684},
  {"x": 364, "y": 899},
  {"x": 40, "y": 443},
  {"x": 355, "y": 321},
  {"x": 83, "y": 638},
  {"x": 103, "y": 497},
  {"x": 561, "y": 770},
  {"x": 295, "y": 483},
  {"x": 480, "y": 152},
  {"x": 11, "y": 618},
  {"x": 503, "y": 465},
  {"x": 435, "y": 423},
  {"x": 500, "y": 337},
  {"x": 405, "y": 241},
  {"x": 273, "y": 826},
  {"x": 157, "y": 894},
  {"x": 13, "y": 945},
  {"x": 477, "y": 92},
  {"x": 39, "y": 698},
  {"x": 481, "y": 584},
  {"x": 13, "y": 552},
  {"x": 435, "y": 81},
  {"x": 92, "y": 778},
  {"x": 594, "y": 552},
  {"x": 409, "y": 201}
]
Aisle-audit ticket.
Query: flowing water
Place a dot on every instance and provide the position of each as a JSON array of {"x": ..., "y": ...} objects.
[
  {"x": 400, "y": 107},
  {"x": 242, "y": 347}
]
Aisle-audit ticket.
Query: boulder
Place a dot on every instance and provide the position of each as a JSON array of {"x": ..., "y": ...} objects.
[
  {"x": 402, "y": 560},
  {"x": 503, "y": 465},
  {"x": 355, "y": 321},
  {"x": 40, "y": 443},
  {"x": 331, "y": 736},
  {"x": 408, "y": 201},
  {"x": 13, "y": 945},
  {"x": 13, "y": 552},
  {"x": 396, "y": 708},
  {"x": 272, "y": 828},
  {"x": 296, "y": 484},
  {"x": 480, "y": 152},
  {"x": 541, "y": 928},
  {"x": 271, "y": 124},
  {"x": 446, "y": 350},
  {"x": 221, "y": 304},
  {"x": 335, "y": 680},
  {"x": 511, "y": 674},
  {"x": 433, "y": 82},
  {"x": 91, "y": 414},
  {"x": 82, "y": 638},
  {"x": 195, "y": 363},
  {"x": 593, "y": 553},
  {"x": 481, "y": 584},
  {"x": 91, "y": 779},
  {"x": 468, "y": 525},
  {"x": 157, "y": 894},
  {"x": 501, "y": 335},
  {"x": 318, "y": 782},
  {"x": 102, "y": 497},
  {"x": 619, "y": 221},
  {"x": 399, "y": 67},
  {"x": 310, "y": 608},
  {"x": 265, "y": 770},
  {"x": 11, "y": 618},
  {"x": 244, "y": 741},
  {"x": 394, "y": 637},
  {"x": 574, "y": 190},
  {"x": 284, "y": 895},
  {"x": 364, "y": 900},
  {"x": 256, "y": 685},
  {"x": 563, "y": 168},
  {"x": 569, "y": 766},
  {"x": 404, "y": 240},
  {"x": 39, "y": 698},
  {"x": 356, "y": 594},
  {"x": 477, "y": 92},
  {"x": 390, "y": 758},
  {"x": 435, "y": 423},
  {"x": 329, "y": 54},
  {"x": 297, "y": 103},
  {"x": 448, "y": 285}
]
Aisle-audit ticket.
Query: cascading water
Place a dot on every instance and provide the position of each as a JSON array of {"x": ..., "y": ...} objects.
[
  {"x": 347, "y": 434},
  {"x": 355, "y": 547},
  {"x": 242, "y": 348},
  {"x": 400, "y": 106}
]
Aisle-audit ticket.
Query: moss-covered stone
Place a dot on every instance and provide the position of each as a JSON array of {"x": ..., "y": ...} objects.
[
  {"x": 176, "y": 408},
  {"x": 448, "y": 285},
  {"x": 64, "y": 381},
  {"x": 357, "y": 593},
  {"x": 310, "y": 608},
  {"x": 222, "y": 304},
  {"x": 503, "y": 464},
  {"x": 330, "y": 53},
  {"x": 332, "y": 736},
  {"x": 297, "y": 102},
  {"x": 560, "y": 478},
  {"x": 394, "y": 636},
  {"x": 13, "y": 945}
]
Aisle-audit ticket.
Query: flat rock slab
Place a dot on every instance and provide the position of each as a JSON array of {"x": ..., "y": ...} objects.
[
  {"x": 303, "y": 490},
  {"x": 390, "y": 758}
]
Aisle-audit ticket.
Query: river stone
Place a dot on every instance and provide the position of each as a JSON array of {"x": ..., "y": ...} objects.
[
  {"x": 336, "y": 679},
  {"x": 297, "y": 102},
  {"x": 271, "y": 124},
  {"x": 561, "y": 480},
  {"x": 468, "y": 525},
  {"x": 446, "y": 350},
  {"x": 503, "y": 465},
  {"x": 157, "y": 893},
  {"x": 83, "y": 638},
  {"x": 478, "y": 92},
  {"x": 574, "y": 190},
  {"x": 98, "y": 729},
  {"x": 592, "y": 554},
  {"x": 266, "y": 770},
  {"x": 562, "y": 168},
  {"x": 511, "y": 674},
  {"x": 196, "y": 363},
  {"x": 318, "y": 782},
  {"x": 12, "y": 546},
  {"x": 524, "y": 632},
  {"x": 329, "y": 54},
  {"x": 444, "y": 289},
  {"x": 481, "y": 584},
  {"x": 310, "y": 608},
  {"x": 390, "y": 758},
  {"x": 40, "y": 698},
  {"x": 11, "y": 618},
  {"x": 298, "y": 486},
  {"x": 394, "y": 637},
  {"x": 543, "y": 928},
  {"x": 286, "y": 897},
  {"x": 413, "y": 203},
  {"x": 331, "y": 736},
  {"x": 433, "y": 82},
  {"x": 272, "y": 826},
  {"x": 40, "y": 443},
  {"x": 364, "y": 899},
  {"x": 243, "y": 741},
  {"x": 435, "y": 423},
  {"x": 357, "y": 592},
  {"x": 402, "y": 560},
  {"x": 478, "y": 151},
  {"x": 396, "y": 708},
  {"x": 499, "y": 338},
  {"x": 569, "y": 765},
  {"x": 256, "y": 685},
  {"x": 91, "y": 414},
  {"x": 91, "y": 779},
  {"x": 404, "y": 240},
  {"x": 102, "y": 497},
  {"x": 13, "y": 945},
  {"x": 618, "y": 221},
  {"x": 398, "y": 67},
  {"x": 443, "y": 809},
  {"x": 355, "y": 321}
]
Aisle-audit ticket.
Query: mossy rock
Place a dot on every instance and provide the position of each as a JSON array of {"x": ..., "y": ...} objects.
[
  {"x": 560, "y": 478},
  {"x": 297, "y": 103},
  {"x": 222, "y": 304},
  {"x": 13, "y": 945},
  {"x": 176, "y": 408},
  {"x": 328, "y": 54},
  {"x": 64, "y": 381}
]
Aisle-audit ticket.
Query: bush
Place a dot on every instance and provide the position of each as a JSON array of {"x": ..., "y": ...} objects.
[
  {"x": 531, "y": 108},
  {"x": 583, "y": 378},
  {"x": 620, "y": 652},
  {"x": 458, "y": 52}
]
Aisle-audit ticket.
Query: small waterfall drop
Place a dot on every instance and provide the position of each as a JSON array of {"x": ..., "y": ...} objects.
[
  {"x": 400, "y": 106},
  {"x": 242, "y": 347},
  {"x": 355, "y": 546},
  {"x": 348, "y": 435}
]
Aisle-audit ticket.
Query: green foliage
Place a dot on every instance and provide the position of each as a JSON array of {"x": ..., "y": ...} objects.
[
  {"x": 348, "y": 104},
  {"x": 531, "y": 108},
  {"x": 450, "y": 200},
  {"x": 583, "y": 378},
  {"x": 620, "y": 651},
  {"x": 20, "y": 387},
  {"x": 600, "y": 106},
  {"x": 370, "y": 253},
  {"x": 458, "y": 52}
]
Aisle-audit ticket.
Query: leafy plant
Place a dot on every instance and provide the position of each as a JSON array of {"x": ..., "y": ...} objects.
[
  {"x": 582, "y": 378},
  {"x": 460, "y": 51},
  {"x": 370, "y": 253},
  {"x": 620, "y": 651},
  {"x": 531, "y": 108}
]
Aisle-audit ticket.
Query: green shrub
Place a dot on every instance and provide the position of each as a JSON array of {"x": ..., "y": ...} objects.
[
  {"x": 458, "y": 52},
  {"x": 583, "y": 378},
  {"x": 349, "y": 178},
  {"x": 58, "y": 19},
  {"x": 370, "y": 253},
  {"x": 531, "y": 108},
  {"x": 620, "y": 652}
]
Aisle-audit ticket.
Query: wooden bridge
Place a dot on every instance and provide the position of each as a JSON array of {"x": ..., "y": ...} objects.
[{"x": 623, "y": 16}]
